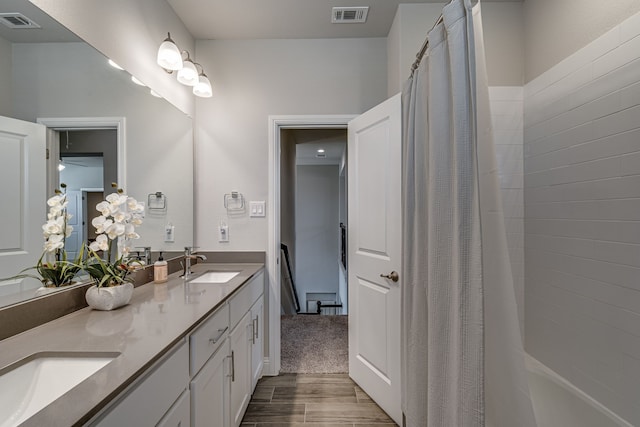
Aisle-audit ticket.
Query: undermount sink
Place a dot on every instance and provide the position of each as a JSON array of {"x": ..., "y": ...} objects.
[
  {"x": 215, "y": 277},
  {"x": 30, "y": 385}
]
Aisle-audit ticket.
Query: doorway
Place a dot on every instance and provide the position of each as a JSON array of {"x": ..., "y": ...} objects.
[
  {"x": 314, "y": 325},
  {"x": 87, "y": 154},
  {"x": 278, "y": 124}
]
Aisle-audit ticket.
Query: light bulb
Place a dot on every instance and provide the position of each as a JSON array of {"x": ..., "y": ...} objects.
[
  {"x": 169, "y": 56},
  {"x": 203, "y": 87},
  {"x": 188, "y": 74}
]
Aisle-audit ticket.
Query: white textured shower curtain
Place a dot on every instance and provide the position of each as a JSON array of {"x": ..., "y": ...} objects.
[{"x": 463, "y": 359}]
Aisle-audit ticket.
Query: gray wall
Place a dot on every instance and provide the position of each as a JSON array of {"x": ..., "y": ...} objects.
[
  {"x": 253, "y": 79},
  {"x": 582, "y": 204},
  {"x": 317, "y": 232},
  {"x": 103, "y": 142},
  {"x": 554, "y": 29},
  {"x": 288, "y": 194},
  {"x": 5, "y": 78},
  {"x": 503, "y": 35}
]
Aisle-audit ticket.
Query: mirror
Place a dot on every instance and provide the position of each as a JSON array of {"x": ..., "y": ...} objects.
[{"x": 54, "y": 75}]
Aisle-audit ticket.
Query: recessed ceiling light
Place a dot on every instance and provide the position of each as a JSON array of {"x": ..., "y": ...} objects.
[
  {"x": 320, "y": 150},
  {"x": 114, "y": 65},
  {"x": 136, "y": 81}
]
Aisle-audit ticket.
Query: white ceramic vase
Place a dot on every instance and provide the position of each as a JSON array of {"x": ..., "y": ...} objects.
[
  {"x": 109, "y": 298},
  {"x": 43, "y": 290}
]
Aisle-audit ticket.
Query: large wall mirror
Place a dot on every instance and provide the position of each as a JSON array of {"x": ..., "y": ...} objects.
[{"x": 103, "y": 127}]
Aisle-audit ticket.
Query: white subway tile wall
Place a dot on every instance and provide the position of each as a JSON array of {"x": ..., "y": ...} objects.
[
  {"x": 582, "y": 219},
  {"x": 507, "y": 121}
]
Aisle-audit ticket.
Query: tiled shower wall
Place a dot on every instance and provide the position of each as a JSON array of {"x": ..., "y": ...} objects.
[
  {"x": 507, "y": 121},
  {"x": 582, "y": 219}
]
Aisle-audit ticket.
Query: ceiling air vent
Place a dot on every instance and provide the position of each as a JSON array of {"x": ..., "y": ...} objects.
[
  {"x": 321, "y": 155},
  {"x": 349, "y": 15},
  {"x": 17, "y": 20}
]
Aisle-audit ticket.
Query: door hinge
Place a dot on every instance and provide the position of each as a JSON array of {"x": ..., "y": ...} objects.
[{"x": 47, "y": 154}]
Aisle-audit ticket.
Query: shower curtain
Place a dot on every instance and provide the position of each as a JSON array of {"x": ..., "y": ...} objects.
[{"x": 463, "y": 359}]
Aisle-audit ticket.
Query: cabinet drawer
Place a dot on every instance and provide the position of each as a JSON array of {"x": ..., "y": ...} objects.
[
  {"x": 241, "y": 302},
  {"x": 149, "y": 400},
  {"x": 180, "y": 413},
  {"x": 206, "y": 339}
]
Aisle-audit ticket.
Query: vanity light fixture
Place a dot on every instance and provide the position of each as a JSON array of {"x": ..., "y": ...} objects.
[
  {"x": 320, "y": 150},
  {"x": 188, "y": 74},
  {"x": 170, "y": 58},
  {"x": 203, "y": 87},
  {"x": 61, "y": 166}
]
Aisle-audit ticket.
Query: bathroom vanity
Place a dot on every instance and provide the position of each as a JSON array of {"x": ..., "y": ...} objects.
[{"x": 185, "y": 353}]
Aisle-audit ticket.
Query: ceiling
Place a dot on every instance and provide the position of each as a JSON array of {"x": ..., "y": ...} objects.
[
  {"x": 283, "y": 19},
  {"x": 309, "y": 141}
]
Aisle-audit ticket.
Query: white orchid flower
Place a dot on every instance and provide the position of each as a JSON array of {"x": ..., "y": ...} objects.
[
  {"x": 53, "y": 243},
  {"x": 68, "y": 230},
  {"x": 100, "y": 244},
  {"x": 117, "y": 199},
  {"x": 52, "y": 227},
  {"x": 119, "y": 216},
  {"x": 56, "y": 200},
  {"x": 136, "y": 220},
  {"x": 115, "y": 230},
  {"x": 100, "y": 222},
  {"x": 104, "y": 208}
]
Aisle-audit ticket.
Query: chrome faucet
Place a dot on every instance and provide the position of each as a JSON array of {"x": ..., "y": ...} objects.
[
  {"x": 146, "y": 257},
  {"x": 188, "y": 256}
]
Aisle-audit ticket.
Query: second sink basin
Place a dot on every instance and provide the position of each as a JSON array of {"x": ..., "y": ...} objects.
[
  {"x": 33, "y": 384},
  {"x": 215, "y": 277}
]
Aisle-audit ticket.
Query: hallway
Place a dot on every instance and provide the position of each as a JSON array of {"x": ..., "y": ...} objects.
[{"x": 312, "y": 400}]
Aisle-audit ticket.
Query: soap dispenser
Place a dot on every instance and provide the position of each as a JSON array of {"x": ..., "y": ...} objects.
[{"x": 160, "y": 270}]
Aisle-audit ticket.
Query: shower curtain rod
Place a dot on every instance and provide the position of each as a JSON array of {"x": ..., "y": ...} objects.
[{"x": 423, "y": 49}]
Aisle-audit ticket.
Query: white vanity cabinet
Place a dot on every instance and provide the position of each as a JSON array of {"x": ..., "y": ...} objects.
[
  {"x": 257, "y": 347},
  {"x": 158, "y": 397},
  {"x": 246, "y": 345},
  {"x": 207, "y": 379},
  {"x": 210, "y": 391},
  {"x": 240, "y": 341},
  {"x": 223, "y": 350}
]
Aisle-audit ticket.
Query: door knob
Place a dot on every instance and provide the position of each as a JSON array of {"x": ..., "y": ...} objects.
[{"x": 393, "y": 276}]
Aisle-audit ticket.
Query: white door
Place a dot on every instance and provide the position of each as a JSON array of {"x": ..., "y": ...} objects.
[
  {"x": 73, "y": 243},
  {"x": 375, "y": 244},
  {"x": 23, "y": 195}
]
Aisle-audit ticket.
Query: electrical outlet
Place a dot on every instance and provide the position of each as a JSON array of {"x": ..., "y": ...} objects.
[
  {"x": 223, "y": 229},
  {"x": 169, "y": 233}
]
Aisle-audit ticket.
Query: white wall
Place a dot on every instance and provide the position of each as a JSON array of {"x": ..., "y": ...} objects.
[
  {"x": 317, "y": 232},
  {"x": 554, "y": 29},
  {"x": 253, "y": 79},
  {"x": 582, "y": 204},
  {"x": 503, "y": 34},
  {"x": 78, "y": 177},
  {"x": 507, "y": 121},
  {"x": 73, "y": 80},
  {"x": 129, "y": 32},
  {"x": 5, "y": 78}
]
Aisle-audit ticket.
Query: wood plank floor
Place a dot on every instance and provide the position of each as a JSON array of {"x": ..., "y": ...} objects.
[{"x": 312, "y": 400}]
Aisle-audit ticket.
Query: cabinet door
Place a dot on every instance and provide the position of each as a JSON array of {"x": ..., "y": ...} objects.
[
  {"x": 179, "y": 415},
  {"x": 210, "y": 392},
  {"x": 257, "y": 347},
  {"x": 240, "y": 340}
]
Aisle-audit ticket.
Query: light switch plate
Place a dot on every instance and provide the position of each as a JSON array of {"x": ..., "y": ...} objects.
[{"x": 257, "y": 209}]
